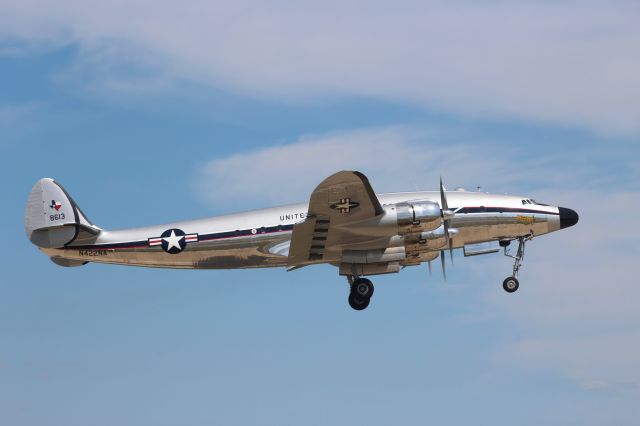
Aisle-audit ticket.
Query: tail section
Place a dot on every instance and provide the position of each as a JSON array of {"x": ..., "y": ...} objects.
[{"x": 52, "y": 219}]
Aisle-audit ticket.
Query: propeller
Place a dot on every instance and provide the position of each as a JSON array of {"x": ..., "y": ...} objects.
[{"x": 446, "y": 216}]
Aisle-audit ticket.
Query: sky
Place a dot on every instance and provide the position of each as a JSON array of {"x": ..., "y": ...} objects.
[{"x": 151, "y": 112}]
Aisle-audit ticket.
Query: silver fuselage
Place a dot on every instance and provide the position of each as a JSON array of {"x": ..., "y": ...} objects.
[{"x": 260, "y": 238}]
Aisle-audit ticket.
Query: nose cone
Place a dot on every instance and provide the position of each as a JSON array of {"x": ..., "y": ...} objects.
[{"x": 568, "y": 217}]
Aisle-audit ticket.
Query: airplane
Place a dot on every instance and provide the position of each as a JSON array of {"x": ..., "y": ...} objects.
[{"x": 345, "y": 224}]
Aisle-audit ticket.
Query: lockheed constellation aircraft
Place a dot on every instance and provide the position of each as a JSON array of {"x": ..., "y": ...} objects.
[{"x": 344, "y": 224}]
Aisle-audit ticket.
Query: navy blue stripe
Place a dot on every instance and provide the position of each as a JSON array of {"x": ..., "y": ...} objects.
[
  {"x": 201, "y": 237},
  {"x": 500, "y": 210}
]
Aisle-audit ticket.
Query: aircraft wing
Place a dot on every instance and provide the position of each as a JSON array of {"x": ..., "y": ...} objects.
[{"x": 341, "y": 201}]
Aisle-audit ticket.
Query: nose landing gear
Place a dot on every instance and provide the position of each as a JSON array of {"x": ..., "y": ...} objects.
[
  {"x": 361, "y": 292},
  {"x": 511, "y": 284}
]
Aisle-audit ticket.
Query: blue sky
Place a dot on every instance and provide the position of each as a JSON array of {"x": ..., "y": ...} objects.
[{"x": 154, "y": 114}]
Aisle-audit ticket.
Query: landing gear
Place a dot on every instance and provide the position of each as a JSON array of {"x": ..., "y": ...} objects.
[
  {"x": 511, "y": 284},
  {"x": 361, "y": 292}
]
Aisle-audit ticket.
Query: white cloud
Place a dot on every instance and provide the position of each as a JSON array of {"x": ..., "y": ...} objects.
[
  {"x": 10, "y": 113},
  {"x": 394, "y": 158},
  {"x": 594, "y": 385},
  {"x": 597, "y": 385},
  {"x": 595, "y": 362},
  {"x": 564, "y": 62}
]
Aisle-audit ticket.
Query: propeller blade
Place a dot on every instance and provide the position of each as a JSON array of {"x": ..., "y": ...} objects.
[
  {"x": 446, "y": 216},
  {"x": 443, "y": 198},
  {"x": 444, "y": 206},
  {"x": 447, "y": 239},
  {"x": 430, "y": 271},
  {"x": 443, "y": 262},
  {"x": 450, "y": 240}
]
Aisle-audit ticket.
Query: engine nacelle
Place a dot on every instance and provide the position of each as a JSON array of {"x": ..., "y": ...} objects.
[
  {"x": 400, "y": 219},
  {"x": 389, "y": 254},
  {"x": 417, "y": 216},
  {"x": 428, "y": 240}
]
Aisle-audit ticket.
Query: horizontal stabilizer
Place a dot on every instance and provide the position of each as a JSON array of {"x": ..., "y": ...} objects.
[{"x": 52, "y": 219}]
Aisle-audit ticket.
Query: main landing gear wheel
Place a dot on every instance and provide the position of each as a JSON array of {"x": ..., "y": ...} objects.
[
  {"x": 510, "y": 284},
  {"x": 362, "y": 288},
  {"x": 358, "y": 304},
  {"x": 360, "y": 295}
]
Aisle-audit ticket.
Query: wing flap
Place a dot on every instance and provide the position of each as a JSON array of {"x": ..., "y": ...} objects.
[{"x": 300, "y": 248}]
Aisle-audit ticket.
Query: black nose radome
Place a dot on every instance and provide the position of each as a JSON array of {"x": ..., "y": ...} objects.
[{"x": 568, "y": 217}]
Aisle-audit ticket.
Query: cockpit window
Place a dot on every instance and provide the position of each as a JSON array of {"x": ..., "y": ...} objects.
[{"x": 532, "y": 201}]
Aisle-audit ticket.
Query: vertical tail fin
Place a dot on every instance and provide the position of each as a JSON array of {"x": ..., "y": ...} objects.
[{"x": 52, "y": 219}]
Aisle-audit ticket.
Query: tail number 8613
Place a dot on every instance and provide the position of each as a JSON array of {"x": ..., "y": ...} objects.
[{"x": 57, "y": 216}]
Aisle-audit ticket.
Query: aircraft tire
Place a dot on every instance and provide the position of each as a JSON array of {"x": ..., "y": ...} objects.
[
  {"x": 510, "y": 284},
  {"x": 358, "y": 304},
  {"x": 362, "y": 289}
]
